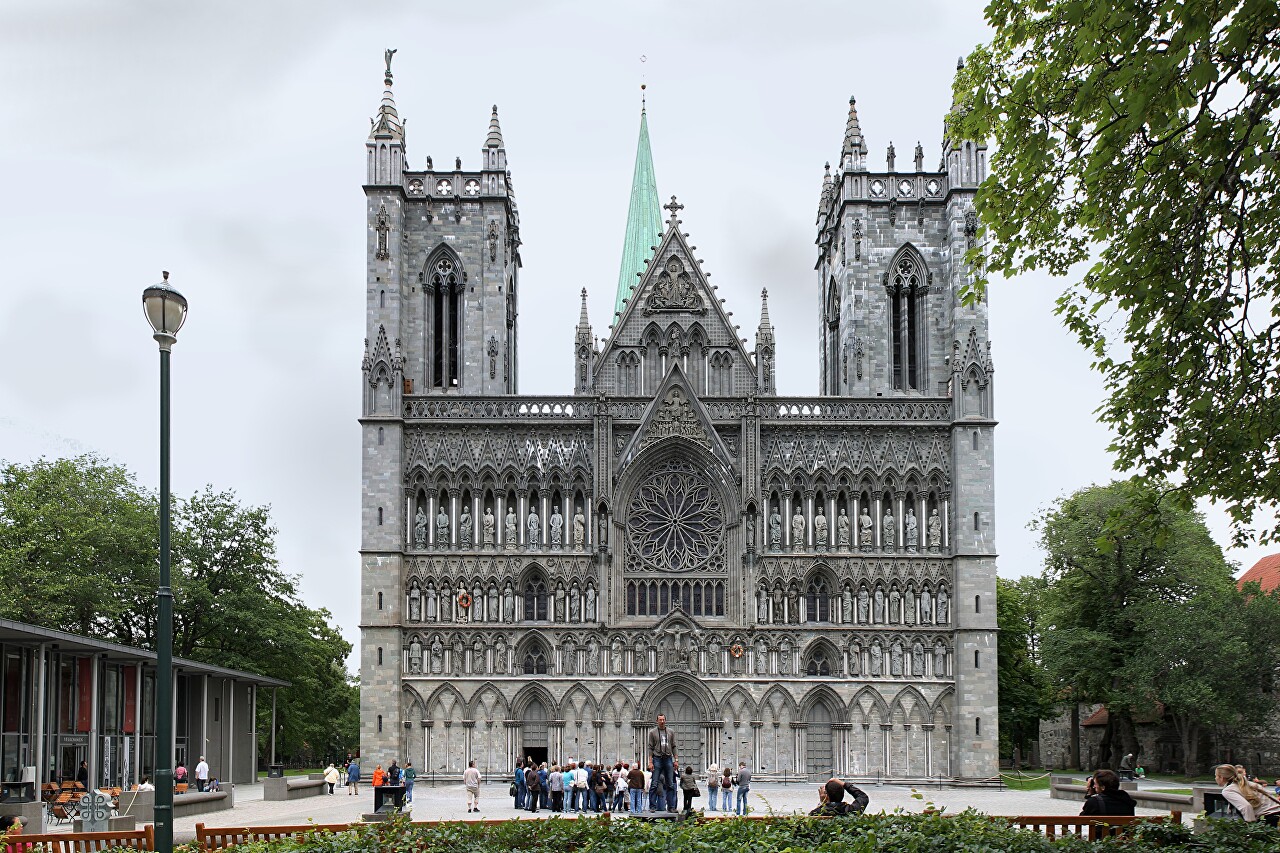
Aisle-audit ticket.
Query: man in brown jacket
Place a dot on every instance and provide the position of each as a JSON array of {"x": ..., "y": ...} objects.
[{"x": 662, "y": 761}]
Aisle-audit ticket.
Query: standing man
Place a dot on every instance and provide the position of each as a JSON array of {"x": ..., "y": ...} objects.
[
  {"x": 522, "y": 789},
  {"x": 471, "y": 781},
  {"x": 353, "y": 778},
  {"x": 202, "y": 775},
  {"x": 82, "y": 774},
  {"x": 409, "y": 776},
  {"x": 535, "y": 788},
  {"x": 744, "y": 786},
  {"x": 663, "y": 758}
]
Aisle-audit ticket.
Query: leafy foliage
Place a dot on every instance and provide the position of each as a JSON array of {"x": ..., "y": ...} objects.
[
  {"x": 1140, "y": 138},
  {"x": 1025, "y": 697}
]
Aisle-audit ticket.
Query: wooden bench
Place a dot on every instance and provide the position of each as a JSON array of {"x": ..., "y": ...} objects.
[
  {"x": 1093, "y": 827},
  {"x": 218, "y": 837},
  {"x": 87, "y": 842}
]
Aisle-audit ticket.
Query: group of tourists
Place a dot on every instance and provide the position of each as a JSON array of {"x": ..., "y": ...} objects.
[{"x": 393, "y": 775}]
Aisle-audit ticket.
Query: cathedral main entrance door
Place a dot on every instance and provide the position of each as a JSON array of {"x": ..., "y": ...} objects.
[
  {"x": 817, "y": 756},
  {"x": 684, "y": 718}
]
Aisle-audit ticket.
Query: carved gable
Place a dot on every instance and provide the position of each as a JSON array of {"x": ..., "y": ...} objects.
[{"x": 676, "y": 413}]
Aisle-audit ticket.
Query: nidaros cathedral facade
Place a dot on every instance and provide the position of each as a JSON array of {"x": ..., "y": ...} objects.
[{"x": 806, "y": 584}]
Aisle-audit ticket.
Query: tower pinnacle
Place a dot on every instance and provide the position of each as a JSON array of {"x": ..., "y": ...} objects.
[
  {"x": 644, "y": 221},
  {"x": 387, "y": 123},
  {"x": 494, "y": 140}
]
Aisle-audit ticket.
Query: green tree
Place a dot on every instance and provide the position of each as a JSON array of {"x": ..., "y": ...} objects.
[
  {"x": 1136, "y": 153},
  {"x": 1024, "y": 686}
]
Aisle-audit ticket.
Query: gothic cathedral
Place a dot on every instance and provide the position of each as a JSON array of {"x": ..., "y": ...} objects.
[{"x": 806, "y": 584}]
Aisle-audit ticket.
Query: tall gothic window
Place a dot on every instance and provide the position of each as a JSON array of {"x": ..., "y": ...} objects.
[
  {"x": 445, "y": 299},
  {"x": 833, "y": 338},
  {"x": 535, "y": 600},
  {"x": 535, "y": 661},
  {"x": 906, "y": 308},
  {"x": 818, "y": 600}
]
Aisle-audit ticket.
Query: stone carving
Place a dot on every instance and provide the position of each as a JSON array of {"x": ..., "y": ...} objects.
[
  {"x": 442, "y": 529},
  {"x": 895, "y": 658},
  {"x": 762, "y": 657},
  {"x": 750, "y": 531},
  {"x": 762, "y": 606},
  {"x": 797, "y": 531},
  {"x": 575, "y": 603},
  {"x": 432, "y": 601},
  {"x": 477, "y": 656},
  {"x": 912, "y": 530},
  {"x": 846, "y": 605},
  {"x": 384, "y": 228},
  {"x": 855, "y": 658},
  {"x": 415, "y": 603},
  {"x": 487, "y": 527},
  {"x": 864, "y": 530},
  {"x": 820, "y": 530},
  {"x": 579, "y": 529},
  {"x": 877, "y": 659},
  {"x": 437, "y": 656},
  {"x": 935, "y": 532},
  {"x": 675, "y": 418},
  {"x": 943, "y": 602},
  {"x": 492, "y": 610},
  {"x": 509, "y": 537},
  {"x": 793, "y": 605},
  {"x": 895, "y": 606},
  {"x": 779, "y": 613},
  {"x": 493, "y": 241},
  {"x": 641, "y": 658},
  {"x": 713, "y": 656},
  {"x": 534, "y": 527},
  {"x": 569, "y": 656},
  {"x": 864, "y": 612},
  {"x": 557, "y": 527},
  {"x": 888, "y": 530},
  {"x": 615, "y": 656},
  {"x": 446, "y": 605},
  {"x": 917, "y": 658},
  {"x": 460, "y": 612},
  {"x": 604, "y": 532},
  {"x": 926, "y": 607},
  {"x": 784, "y": 658},
  {"x": 560, "y": 596},
  {"x": 464, "y": 529},
  {"x": 939, "y": 659},
  {"x": 493, "y": 357},
  {"x": 508, "y": 603},
  {"x": 415, "y": 656},
  {"x": 95, "y": 813},
  {"x": 674, "y": 291},
  {"x": 879, "y": 611},
  {"x": 593, "y": 657},
  {"x": 500, "y": 657},
  {"x": 775, "y": 530},
  {"x": 590, "y": 599},
  {"x": 420, "y": 529},
  {"x": 909, "y": 607},
  {"x": 842, "y": 530}
]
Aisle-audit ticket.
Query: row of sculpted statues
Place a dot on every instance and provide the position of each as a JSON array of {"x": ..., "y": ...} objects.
[
  {"x": 779, "y": 606},
  {"x": 556, "y": 532},
  {"x": 574, "y": 603},
  {"x": 844, "y": 531}
]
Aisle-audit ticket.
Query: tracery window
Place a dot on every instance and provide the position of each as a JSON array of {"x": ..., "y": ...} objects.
[
  {"x": 818, "y": 600},
  {"x": 906, "y": 307},
  {"x": 445, "y": 300},
  {"x": 657, "y": 598},
  {"x": 675, "y": 521},
  {"x": 535, "y": 661},
  {"x": 535, "y": 600},
  {"x": 819, "y": 663}
]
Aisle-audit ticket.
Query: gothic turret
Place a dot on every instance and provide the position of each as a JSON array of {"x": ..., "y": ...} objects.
[
  {"x": 494, "y": 152},
  {"x": 853, "y": 154},
  {"x": 583, "y": 351},
  {"x": 764, "y": 348},
  {"x": 644, "y": 221},
  {"x": 386, "y": 136},
  {"x": 965, "y": 159}
]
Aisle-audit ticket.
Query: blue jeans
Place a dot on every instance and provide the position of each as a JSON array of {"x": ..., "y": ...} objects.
[
  {"x": 664, "y": 765},
  {"x": 712, "y": 790},
  {"x": 742, "y": 800},
  {"x": 637, "y": 800},
  {"x": 520, "y": 795},
  {"x": 408, "y": 791}
]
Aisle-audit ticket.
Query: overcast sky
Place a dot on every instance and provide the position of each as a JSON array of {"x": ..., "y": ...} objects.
[{"x": 225, "y": 142}]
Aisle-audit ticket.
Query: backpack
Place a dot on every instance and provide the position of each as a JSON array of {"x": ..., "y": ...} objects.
[
  {"x": 393, "y": 777},
  {"x": 726, "y": 783}
]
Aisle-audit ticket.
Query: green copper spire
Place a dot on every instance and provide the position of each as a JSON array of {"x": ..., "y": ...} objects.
[{"x": 644, "y": 221}]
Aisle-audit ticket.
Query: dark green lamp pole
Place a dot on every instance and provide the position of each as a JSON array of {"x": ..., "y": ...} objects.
[{"x": 166, "y": 309}]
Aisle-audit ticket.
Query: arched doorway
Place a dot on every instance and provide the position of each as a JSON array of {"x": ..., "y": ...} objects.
[
  {"x": 685, "y": 719},
  {"x": 533, "y": 731},
  {"x": 817, "y": 754}
]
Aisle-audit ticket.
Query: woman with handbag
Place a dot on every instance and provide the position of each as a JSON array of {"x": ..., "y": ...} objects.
[{"x": 1249, "y": 799}]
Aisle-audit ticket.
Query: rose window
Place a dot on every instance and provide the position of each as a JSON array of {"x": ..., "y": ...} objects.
[{"x": 675, "y": 520}]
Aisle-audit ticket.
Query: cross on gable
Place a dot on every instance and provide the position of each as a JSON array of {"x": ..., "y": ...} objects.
[{"x": 673, "y": 206}]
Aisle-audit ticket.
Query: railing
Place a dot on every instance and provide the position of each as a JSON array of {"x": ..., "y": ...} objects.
[
  {"x": 85, "y": 842},
  {"x": 769, "y": 409},
  {"x": 790, "y": 409},
  {"x": 499, "y": 408}
]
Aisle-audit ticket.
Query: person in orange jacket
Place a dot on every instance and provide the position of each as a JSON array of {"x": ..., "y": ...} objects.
[{"x": 379, "y": 777}]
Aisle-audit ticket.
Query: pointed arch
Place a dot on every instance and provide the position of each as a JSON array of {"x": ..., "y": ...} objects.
[
  {"x": 907, "y": 281},
  {"x": 445, "y": 702},
  {"x": 675, "y": 682},
  {"x": 737, "y": 705},
  {"x": 487, "y": 697},
  {"x": 821, "y": 658},
  {"x": 821, "y": 694},
  {"x": 531, "y": 693},
  {"x": 443, "y": 277}
]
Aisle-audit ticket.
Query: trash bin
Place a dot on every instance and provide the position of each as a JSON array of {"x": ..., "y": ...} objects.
[{"x": 275, "y": 771}]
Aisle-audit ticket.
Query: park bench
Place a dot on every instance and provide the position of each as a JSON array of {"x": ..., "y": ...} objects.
[{"x": 87, "y": 842}]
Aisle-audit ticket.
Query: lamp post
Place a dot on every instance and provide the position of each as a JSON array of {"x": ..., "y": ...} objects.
[{"x": 165, "y": 309}]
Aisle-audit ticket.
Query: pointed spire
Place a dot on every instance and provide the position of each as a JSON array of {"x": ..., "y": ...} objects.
[
  {"x": 828, "y": 188},
  {"x": 765, "y": 323},
  {"x": 853, "y": 141},
  {"x": 387, "y": 123},
  {"x": 644, "y": 221},
  {"x": 582, "y": 315},
  {"x": 494, "y": 139}
]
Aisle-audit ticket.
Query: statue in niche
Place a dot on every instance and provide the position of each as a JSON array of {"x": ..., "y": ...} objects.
[
  {"x": 738, "y": 665},
  {"x": 437, "y": 656},
  {"x": 415, "y": 657},
  {"x": 575, "y": 603},
  {"x": 895, "y": 658},
  {"x": 793, "y": 605},
  {"x": 909, "y": 607},
  {"x": 713, "y": 656},
  {"x": 432, "y": 601},
  {"x": 510, "y": 538},
  {"x": 926, "y": 607},
  {"x": 797, "y": 531},
  {"x": 820, "y": 530},
  {"x": 943, "y": 601},
  {"x": 476, "y": 611},
  {"x": 492, "y": 613},
  {"x": 846, "y": 605},
  {"x": 579, "y": 529},
  {"x": 877, "y": 659},
  {"x": 415, "y": 603},
  {"x": 662, "y": 660},
  {"x": 604, "y": 531},
  {"x": 842, "y": 530},
  {"x": 446, "y": 604},
  {"x": 500, "y": 657},
  {"x": 456, "y": 657},
  {"x": 487, "y": 525},
  {"x": 459, "y": 612},
  {"x": 784, "y": 658},
  {"x": 864, "y": 530},
  {"x": 557, "y": 527},
  {"x": 559, "y": 602},
  {"x": 855, "y": 658},
  {"x": 477, "y": 656},
  {"x": 775, "y": 530},
  {"x": 762, "y": 606},
  {"x": 442, "y": 529},
  {"x": 508, "y": 603},
  {"x": 913, "y": 531},
  {"x": 751, "y": 530},
  {"x": 879, "y": 597},
  {"x": 464, "y": 528},
  {"x": 642, "y": 658},
  {"x": 888, "y": 530},
  {"x": 534, "y": 527},
  {"x": 864, "y": 608},
  {"x": 917, "y": 658},
  {"x": 590, "y": 599},
  {"x": 939, "y": 659},
  {"x": 593, "y": 657},
  {"x": 762, "y": 658},
  {"x": 420, "y": 529},
  {"x": 570, "y": 656},
  {"x": 778, "y": 611},
  {"x": 615, "y": 657},
  {"x": 935, "y": 531},
  {"x": 895, "y": 606}
]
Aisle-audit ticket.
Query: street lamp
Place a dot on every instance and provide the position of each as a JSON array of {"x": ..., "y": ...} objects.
[{"x": 166, "y": 309}]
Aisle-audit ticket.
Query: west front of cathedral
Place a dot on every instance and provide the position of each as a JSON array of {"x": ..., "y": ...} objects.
[{"x": 806, "y": 584}]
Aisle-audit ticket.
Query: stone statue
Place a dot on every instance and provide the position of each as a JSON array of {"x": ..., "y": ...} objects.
[
  {"x": 446, "y": 605},
  {"x": 895, "y": 606},
  {"x": 913, "y": 531},
  {"x": 477, "y": 656},
  {"x": 491, "y": 611},
  {"x": 864, "y": 615},
  {"x": 751, "y": 531},
  {"x": 917, "y": 658},
  {"x": 793, "y": 605},
  {"x": 500, "y": 657},
  {"x": 460, "y": 612},
  {"x": 846, "y": 602},
  {"x": 415, "y": 603},
  {"x": 579, "y": 529},
  {"x": 615, "y": 657},
  {"x": 487, "y": 525},
  {"x": 604, "y": 532},
  {"x": 464, "y": 528},
  {"x": 877, "y": 659},
  {"x": 559, "y": 602},
  {"x": 713, "y": 656},
  {"x": 534, "y": 527},
  {"x": 662, "y": 659},
  {"x": 590, "y": 599},
  {"x": 509, "y": 536},
  {"x": 784, "y": 658},
  {"x": 864, "y": 530},
  {"x": 762, "y": 606},
  {"x": 879, "y": 599},
  {"x": 420, "y": 529},
  {"x": 842, "y": 531},
  {"x": 939, "y": 659},
  {"x": 775, "y": 530},
  {"x": 386, "y": 56},
  {"x": 437, "y": 656},
  {"x": 820, "y": 530},
  {"x": 778, "y": 613},
  {"x": 943, "y": 601},
  {"x": 797, "y": 531},
  {"x": 415, "y": 656},
  {"x": 935, "y": 531},
  {"x": 570, "y": 657},
  {"x": 508, "y": 603},
  {"x": 855, "y": 658},
  {"x": 557, "y": 527},
  {"x": 593, "y": 657},
  {"x": 895, "y": 658},
  {"x": 888, "y": 531},
  {"x": 432, "y": 601},
  {"x": 575, "y": 603},
  {"x": 926, "y": 607},
  {"x": 442, "y": 529},
  {"x": 477, "y": 603},
  {"x": 642, "y": 658},
  {"x": 762, "y": 658}
]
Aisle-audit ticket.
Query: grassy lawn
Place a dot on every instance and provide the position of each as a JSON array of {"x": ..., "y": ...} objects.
[
  {"x": 302, "y": 771},
  {"x": 1186, "y": 791},
  {"x": 1026, "y": 780}
]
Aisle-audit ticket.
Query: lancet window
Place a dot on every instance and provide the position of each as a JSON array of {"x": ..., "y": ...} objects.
[
  {"x": 907, "y": 289},
  {"x": 444, "y": 296}
]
